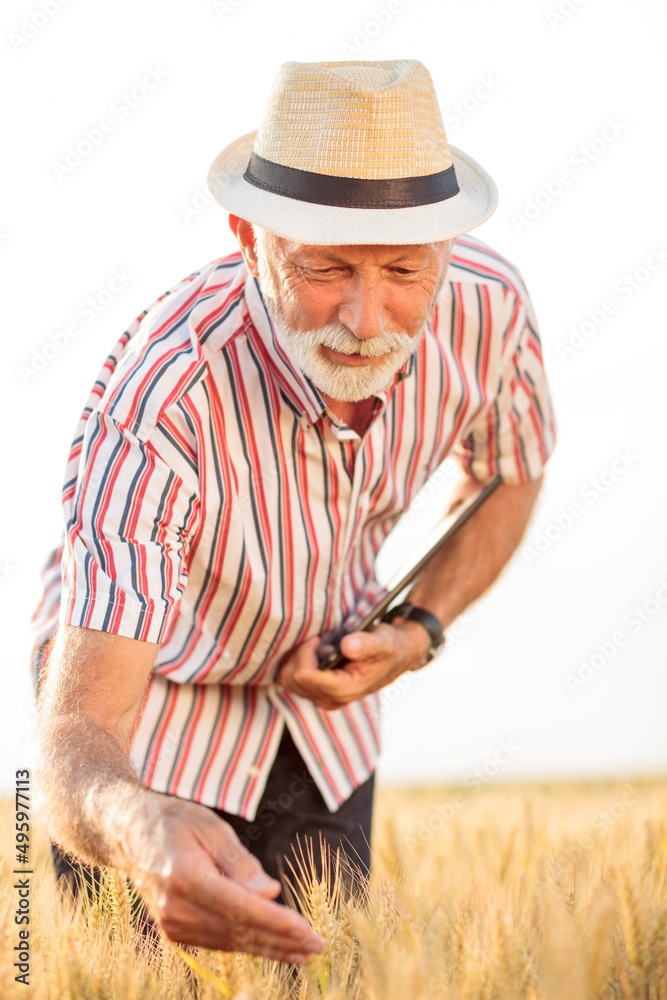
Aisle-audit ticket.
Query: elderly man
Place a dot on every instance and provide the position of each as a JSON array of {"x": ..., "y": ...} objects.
[{"x": 249, "y": 443}]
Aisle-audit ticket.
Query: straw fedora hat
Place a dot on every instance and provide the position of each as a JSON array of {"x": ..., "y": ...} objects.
[{"x": 353, "y": 152}]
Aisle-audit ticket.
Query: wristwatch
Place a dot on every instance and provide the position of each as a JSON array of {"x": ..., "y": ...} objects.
[{"x": 425, "y": 618}]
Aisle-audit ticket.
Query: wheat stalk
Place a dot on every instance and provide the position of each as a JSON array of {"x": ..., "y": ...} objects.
[
  {"x": 494, "y": 911},
  {"x": 633, "y": 931}
]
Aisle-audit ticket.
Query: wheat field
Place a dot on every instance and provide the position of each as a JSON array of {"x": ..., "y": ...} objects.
[{"x": 542, "y": 892}]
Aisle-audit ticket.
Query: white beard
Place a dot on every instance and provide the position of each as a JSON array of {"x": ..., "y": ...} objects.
[{"x": 350, "y": 383}]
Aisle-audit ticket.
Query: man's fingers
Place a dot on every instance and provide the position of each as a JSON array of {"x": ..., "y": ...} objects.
[
  {"x": 208, "y": 890},
  {"x": 333, "y": 688},
  {"x": 368, "y": 645},
  {"x": 305, "y": 656},
  {"x": 216, "y": 930},
  {"x": 238, "y": 927},
  {"x": 325, "y": 684},
  {"x": 238, "y": 863},
  {"x": 368, "y": 655},
  {"x": 206, "y": 929},
  {"x": 242, "y": 908}
]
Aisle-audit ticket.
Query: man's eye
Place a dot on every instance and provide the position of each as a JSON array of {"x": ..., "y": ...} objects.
[
  {"x": 324, "y": 270},
  {"x": 403, "y": 270}
]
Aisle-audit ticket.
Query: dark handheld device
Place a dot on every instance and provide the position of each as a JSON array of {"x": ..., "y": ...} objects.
[{"x": 331, "y": 657}]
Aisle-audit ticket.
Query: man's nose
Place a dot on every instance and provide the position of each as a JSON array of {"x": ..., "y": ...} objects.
[{"x": 362, "y": 311}]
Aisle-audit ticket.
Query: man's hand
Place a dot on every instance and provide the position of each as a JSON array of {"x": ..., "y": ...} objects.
[
  {"x": 376, "y": 658},
  {"x": 453, "y": 579},
  {"x": 204, "y": 888},
  {"x": 200, "y": 884}
]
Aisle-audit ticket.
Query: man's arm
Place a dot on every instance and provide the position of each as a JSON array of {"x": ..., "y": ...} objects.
[
  {"x": 458, "y": 575},
  {"x": 477, "y": 553},
  {"x": 201, "y": 885}
]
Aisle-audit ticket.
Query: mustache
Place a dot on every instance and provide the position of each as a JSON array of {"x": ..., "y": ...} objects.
[{"x": 339, "y": 338}]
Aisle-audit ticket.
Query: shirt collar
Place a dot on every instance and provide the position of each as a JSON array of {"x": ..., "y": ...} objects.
[{"x": 299, "y": 391}]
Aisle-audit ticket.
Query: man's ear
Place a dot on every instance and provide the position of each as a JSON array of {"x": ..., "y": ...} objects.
[{"x": 245, "y": 235}]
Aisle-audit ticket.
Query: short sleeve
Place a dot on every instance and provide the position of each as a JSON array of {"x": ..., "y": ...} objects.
[
  {"x": 124, "y": 563},
  {"x": 44, "y": 620},
  {"x": 516, "y": 433}
]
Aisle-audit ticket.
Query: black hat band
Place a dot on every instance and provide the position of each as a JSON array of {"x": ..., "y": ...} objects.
[{"x": 350, "y": 192}]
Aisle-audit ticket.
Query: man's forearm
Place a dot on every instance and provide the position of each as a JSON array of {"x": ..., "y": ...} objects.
[
  {"x": 200, "y": 884},
  {"x": 88, "y": 791},
  {"x": 473, "y": 559}
]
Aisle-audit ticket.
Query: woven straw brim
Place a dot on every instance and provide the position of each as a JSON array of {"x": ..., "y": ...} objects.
[{"x": 334, "y": 226}]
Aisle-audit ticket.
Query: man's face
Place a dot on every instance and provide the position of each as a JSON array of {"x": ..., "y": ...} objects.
[{"x": 351, "y": 315}]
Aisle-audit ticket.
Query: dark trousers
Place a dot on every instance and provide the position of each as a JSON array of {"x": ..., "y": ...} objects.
[{"x": 291, "y": 810}]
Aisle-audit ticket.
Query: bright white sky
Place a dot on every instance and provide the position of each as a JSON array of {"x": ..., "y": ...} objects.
[{"x": 538, "y": 94}]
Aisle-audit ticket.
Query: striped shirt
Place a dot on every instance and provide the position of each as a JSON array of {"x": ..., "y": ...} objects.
[{"x": 214, "y": 504}]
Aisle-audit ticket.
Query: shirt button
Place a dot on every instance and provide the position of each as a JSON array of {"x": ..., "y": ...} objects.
[{"x": 253, "y": 771}]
